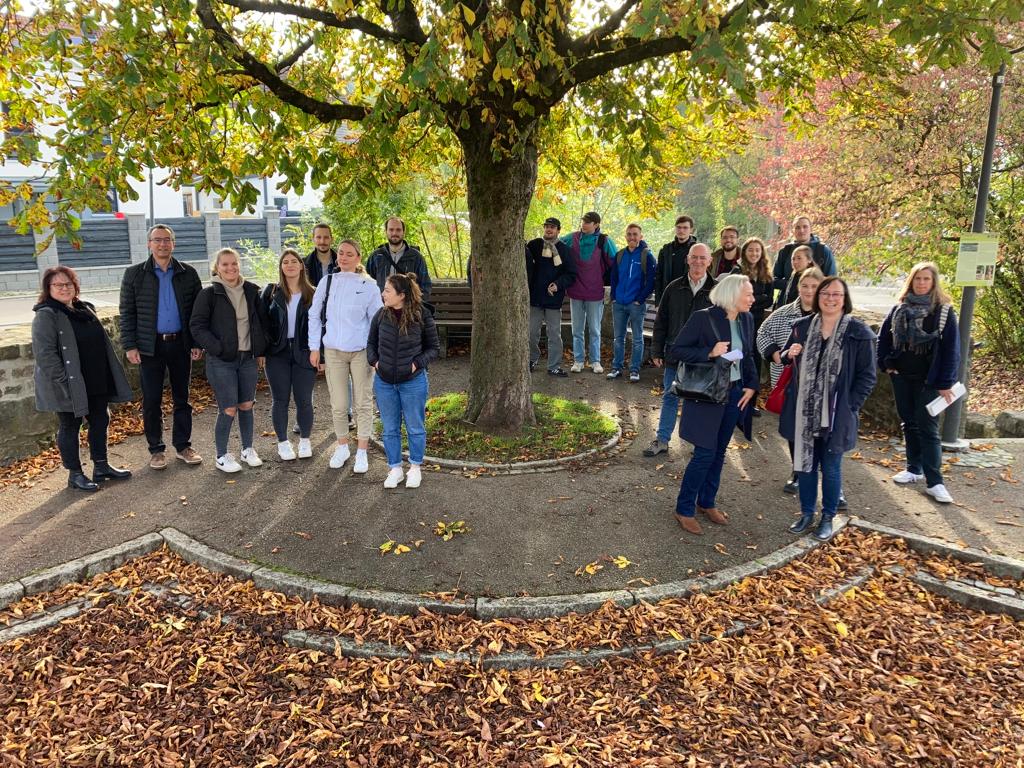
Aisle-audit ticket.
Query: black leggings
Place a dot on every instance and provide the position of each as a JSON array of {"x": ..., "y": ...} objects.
[{"x": 70, "y": 427}]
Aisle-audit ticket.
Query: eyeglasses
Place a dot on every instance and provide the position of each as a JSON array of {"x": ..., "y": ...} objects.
[
  {"x": 62, "y": 285},
  {"x": 161, "y": 240},
  {"x": 832, "y": 295}
]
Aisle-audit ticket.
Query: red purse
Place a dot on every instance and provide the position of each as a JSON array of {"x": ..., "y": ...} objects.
[{"x": 777, "y": 397}]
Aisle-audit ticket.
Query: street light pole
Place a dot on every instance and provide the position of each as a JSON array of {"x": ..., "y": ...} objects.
[{"x": 951, "y": 440}]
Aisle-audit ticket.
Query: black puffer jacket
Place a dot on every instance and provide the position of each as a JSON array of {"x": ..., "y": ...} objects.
[
  {"x": 677, "y": 304},
  {"x": 215, "y": 328},
  {"x": 140, "y": 298},
  {"x": 275, "y": 310},
  {"x": 394, "y": 353},
  {"x": 671, "y": 264}
]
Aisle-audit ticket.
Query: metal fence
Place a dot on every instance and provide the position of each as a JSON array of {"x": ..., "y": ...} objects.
[
  {"x": 17, "y": 252},
  {"x": 103, "y": 243},
  {"x": 234, "y": 231},
  {"x": 189, "y": 238}
]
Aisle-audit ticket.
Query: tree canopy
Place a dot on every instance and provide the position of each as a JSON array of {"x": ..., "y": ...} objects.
[{"x": 353, "y": 92}]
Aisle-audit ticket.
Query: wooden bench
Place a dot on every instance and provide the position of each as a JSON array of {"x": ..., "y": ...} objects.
[{"x": 453, "y": 312}]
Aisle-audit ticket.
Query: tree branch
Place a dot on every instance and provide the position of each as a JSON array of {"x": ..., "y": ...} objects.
[
  {"x": 589, "y": 42},
  {"x": 258, "y": 70},
  {"x": 326, "y": 18},
  {"x": 405, "y": 21},
  {"x": 294, "y": 56},
  {"x": 633, "y": 51}
]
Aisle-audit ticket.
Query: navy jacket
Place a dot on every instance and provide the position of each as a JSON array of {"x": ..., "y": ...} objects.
[
  {"x": 541, "y": 272},
  {"x": 315, "y": 270},
  {"x": 637, "y": 282},
  {"x": 700, "y": 421},
  {"x": 945, "y": 367},
  {"x": 820, "y": 252},
  {"x": 849, "y": 391},
  {"x": 378, "y": 266}
]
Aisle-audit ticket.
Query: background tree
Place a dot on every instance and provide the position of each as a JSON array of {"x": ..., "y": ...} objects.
[{"x": 224, "y": 89}]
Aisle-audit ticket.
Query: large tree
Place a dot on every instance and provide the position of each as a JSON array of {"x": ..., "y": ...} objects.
[{"x": 349, "y": 90}]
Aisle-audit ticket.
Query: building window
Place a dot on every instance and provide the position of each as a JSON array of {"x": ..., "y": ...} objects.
[{"x": 188, "y": 203}]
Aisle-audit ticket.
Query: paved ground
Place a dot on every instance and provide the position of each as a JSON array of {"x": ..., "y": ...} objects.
[{"x": 528, "y": 533}]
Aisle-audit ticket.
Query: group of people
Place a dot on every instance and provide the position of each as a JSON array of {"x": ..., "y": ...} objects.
[
  {"x": 369, "y": 329},
  {"x": 710, "y": 303},
  {"x": 366, "y": 328}
]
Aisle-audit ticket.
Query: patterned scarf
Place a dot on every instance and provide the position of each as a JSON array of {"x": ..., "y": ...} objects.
[
  {"x": 908, "y": 325},
  {"x": 549, "y": 251},
  {"x": 814, "y": 389}
]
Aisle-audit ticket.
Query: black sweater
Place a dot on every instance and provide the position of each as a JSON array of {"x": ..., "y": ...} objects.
[
  {"x": 394, "y": 353},
  {"x": 677, "y": 304}
]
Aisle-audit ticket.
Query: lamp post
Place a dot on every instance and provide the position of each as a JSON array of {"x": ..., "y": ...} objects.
[{"x": 951, "y": 440}]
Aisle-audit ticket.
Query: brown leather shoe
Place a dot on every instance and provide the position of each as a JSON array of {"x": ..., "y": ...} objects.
[
  {"x": 158, "y": 460},
  {"x": 189, "y": 456},
  {"x": 714, "y": 515},
  {"x": 690, "y": 525}
]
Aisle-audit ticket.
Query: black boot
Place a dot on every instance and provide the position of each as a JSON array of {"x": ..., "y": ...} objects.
[
  {"x": 78, "y": 481},
  {"x": 101, "y": 470},
  {"x": 824, "y": 532},
  {"x": 801, "y": 525}
]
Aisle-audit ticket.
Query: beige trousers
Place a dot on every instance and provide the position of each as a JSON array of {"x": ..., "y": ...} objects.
[{"x": 338, "y": 366}]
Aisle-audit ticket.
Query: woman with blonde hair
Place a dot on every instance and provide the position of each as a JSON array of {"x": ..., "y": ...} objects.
[
  {"x": 286, "y": 307},
  {"x": 726, "y": 327},
  {"x": 801, "y": 258},
  {"x": 227, "y": 321},
  {"x": 919, "y": 347},
  {"x": 343, "y": 305}
]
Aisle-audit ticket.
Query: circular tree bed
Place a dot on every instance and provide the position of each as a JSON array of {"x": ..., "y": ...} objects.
[{"x": 564, "y": 428}]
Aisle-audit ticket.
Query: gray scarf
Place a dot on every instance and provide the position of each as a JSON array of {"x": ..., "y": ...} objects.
[
  {"x": 908, "y": 325},
  {"x": 814, "y": 389}
]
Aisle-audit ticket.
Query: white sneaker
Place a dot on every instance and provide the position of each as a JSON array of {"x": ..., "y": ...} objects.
[
  {"x": 414, "y": 478},
  {"x": 362, "y": 464},
  {"x": 598, "y": 368},
  {"x": 395, "y": 475},
  {"x": 305, "y": 449},
  {"x": 940, "y": 494},
  {"x": 286, "y": 451},
  {"x": 227, "y": 463},
  {"x": 576, "y": 367},
  {"x": 906, "y": 476},
  {"x": 340, "y": 456},
  {"x": 250, "y": 457}
]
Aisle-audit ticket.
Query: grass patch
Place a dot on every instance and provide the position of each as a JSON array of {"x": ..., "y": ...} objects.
[{"x": 564, "y": 428}]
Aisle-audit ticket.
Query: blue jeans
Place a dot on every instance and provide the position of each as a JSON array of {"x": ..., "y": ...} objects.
[
  {"x": 586, "y": 314},
  {"x": 669, "y": 406},
  {"x": 406, "y": 400},
  {"x": 831, "y": 466},
  {"x": 634, "y": 315},
  {"x": 703, "y": 474},
  {"x": 920, "y": 428}
]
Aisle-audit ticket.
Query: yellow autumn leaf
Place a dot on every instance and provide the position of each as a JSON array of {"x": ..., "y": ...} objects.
[
  {"x": 675, "y": 634},
  {"x": 538, "y": 696},
  {"x": 842, "y": 629},
  {"x": 468, "y": 14},
  {"x": 621, "y": 561},
  {"x": 401, "y": 549},
  {"x": 195, "y": 672},
  {"x": 386, "y": 546}
]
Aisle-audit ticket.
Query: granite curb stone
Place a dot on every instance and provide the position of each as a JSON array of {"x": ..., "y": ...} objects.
[
  {"x": 11, "y": 592},
  {"x": 408, "y": 603},
  {"x": 550, "y": 605},
  {"x": 997, "y": 565},
  {"x": 208, "y": 557},
  {"x": 966, "y": 594},
  {"x": 29, "y": 626},
  {"x": 305, "y": 587},
  {"x": 88, "y": 566}
]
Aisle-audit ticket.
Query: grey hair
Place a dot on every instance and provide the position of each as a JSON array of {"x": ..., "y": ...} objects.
[{"x": 727, "y": 293}]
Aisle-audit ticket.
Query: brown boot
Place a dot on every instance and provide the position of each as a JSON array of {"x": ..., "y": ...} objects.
[
  {"x": 689, "y": 524},
  {"x": 714, "y": 515}
]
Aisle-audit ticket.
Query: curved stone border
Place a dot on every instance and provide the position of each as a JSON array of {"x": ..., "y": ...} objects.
[{"x": 520, "y": 467}]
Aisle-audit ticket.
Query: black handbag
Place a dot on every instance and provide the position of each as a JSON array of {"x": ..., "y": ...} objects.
[{"x": 704, "y": 382}]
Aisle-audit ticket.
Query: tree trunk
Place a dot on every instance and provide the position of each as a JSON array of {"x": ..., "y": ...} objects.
[{"x": 499, "y": 194}]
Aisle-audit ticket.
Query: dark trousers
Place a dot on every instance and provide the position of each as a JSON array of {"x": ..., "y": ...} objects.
[
  {"x": 70, "y": 426},
  {"x": 920, "y": 428},
  {"x": 290, "y": 379},
  {"x": 703, "y": 473},
  {"x": 173, "y": 358}
]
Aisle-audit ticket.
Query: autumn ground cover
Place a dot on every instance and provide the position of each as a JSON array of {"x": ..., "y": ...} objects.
[{"x": 886, "y": 675}]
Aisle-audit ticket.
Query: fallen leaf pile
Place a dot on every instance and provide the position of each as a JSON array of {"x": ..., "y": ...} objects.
[
  {"x": 125, "y": 421},
  {"x": 888, "y": 675}
]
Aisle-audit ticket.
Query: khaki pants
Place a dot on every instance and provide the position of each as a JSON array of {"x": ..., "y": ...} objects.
[{"x": 337, "y": 368}]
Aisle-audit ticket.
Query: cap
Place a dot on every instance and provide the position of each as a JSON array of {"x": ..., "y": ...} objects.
[
  {"x": 553, "y": 222},
  {"x": 592, "y": 216}
]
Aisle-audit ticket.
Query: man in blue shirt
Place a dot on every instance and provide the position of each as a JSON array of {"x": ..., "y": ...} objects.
[
  {"x": 632, "y": 279},
  {"x": 156, "y": 306}
]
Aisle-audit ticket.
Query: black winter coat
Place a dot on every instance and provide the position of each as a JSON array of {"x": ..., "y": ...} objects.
[
  {"x": 541, "y": 272},
  {"x": 140, "y": 298},
  {"x": 275, "y": 312},
  {"x": 763, "y": 296},
  {"x": 315, "y": 270},
  {"x": 378, "y": 266},
  {"x": 677, "y": 304},
  {"x": 671, "y": 264},
  {"x": 215, "y": 328},
  {"x": 394, "y": 353}
]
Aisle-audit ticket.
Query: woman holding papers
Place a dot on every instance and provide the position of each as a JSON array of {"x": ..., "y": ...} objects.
[
  {"x": 919, "y": 347},
  {"x": 724, "y": 330},
  {"x": 834, "y": 355}
]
